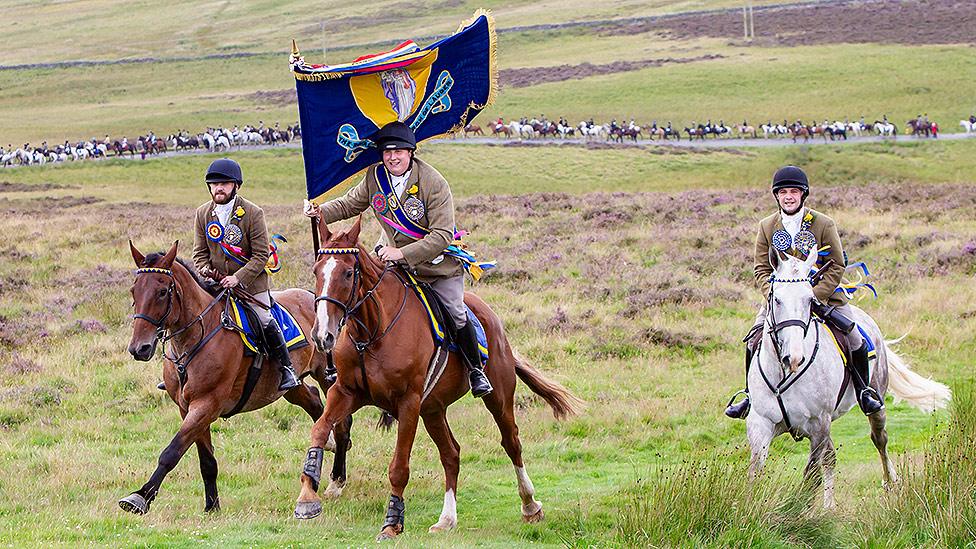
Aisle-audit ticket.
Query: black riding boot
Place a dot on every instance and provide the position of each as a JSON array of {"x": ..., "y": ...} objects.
[
  {"x": 278, "y": 350},
  {"x": 741, "y": 410},
  {"x": 467, "y": 340},
  {"x": 867, "y": 397}
]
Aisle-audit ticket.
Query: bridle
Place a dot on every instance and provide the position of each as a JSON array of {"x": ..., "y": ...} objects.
[
  {"x": 184, "y": 359},
  {"x": 774, "y": 327},
  {"x": 350, "y": 307}
]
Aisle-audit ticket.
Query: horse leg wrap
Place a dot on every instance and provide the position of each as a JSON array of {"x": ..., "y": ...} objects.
[
  {"x": 313, "y": 466},
  {"x": 395, "y": 513}
]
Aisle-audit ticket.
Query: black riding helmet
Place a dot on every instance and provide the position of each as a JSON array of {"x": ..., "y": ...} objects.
[
  {"x": 791, "y": 177},
  {"x": 224, "y": 169},
  {"x": 395, "y": 135}
]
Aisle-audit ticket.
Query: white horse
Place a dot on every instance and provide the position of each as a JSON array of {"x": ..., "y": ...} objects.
[
  {"x": 884, "y": 129},
  {"x": 968, "y": 126},
  {"x": 797, "y": 359}
]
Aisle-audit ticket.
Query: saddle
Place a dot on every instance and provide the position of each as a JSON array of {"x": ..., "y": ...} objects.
[
  {"x": 442, "y": 328},
  {"x": 240, "y": 317}
]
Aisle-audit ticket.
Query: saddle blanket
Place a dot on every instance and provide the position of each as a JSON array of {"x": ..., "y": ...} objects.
[
  {"x": 844, "y": 352},
  {"x": 247, "y": 325},
  {"x": 437, "y": 331}
]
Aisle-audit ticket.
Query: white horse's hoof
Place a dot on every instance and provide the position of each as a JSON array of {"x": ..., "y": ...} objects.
[{"x": 443, "y": 525}]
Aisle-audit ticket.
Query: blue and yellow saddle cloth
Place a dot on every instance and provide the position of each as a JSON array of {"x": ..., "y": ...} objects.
[
  {"x": 437, "y": 331},
  {"x": 294, "y": 336}
]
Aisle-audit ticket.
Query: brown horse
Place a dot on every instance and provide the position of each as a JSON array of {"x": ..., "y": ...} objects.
[
  {"x": 473, "y": 129},
  {"x": 204, "y": 368},
  {"x": 383, "y": 358}
]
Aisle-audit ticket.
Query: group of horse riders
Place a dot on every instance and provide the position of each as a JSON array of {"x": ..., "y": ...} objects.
[{"x": 426, "y": 196}]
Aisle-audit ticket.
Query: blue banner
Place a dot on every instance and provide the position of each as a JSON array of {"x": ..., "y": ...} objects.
[{"x": 436, "y": 90}]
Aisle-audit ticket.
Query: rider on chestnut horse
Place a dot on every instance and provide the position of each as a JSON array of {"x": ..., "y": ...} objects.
[
  {"x": 797, "y": 230},
  {"x": 231, "y": 239},
  {"x": 424, "y": 197}
]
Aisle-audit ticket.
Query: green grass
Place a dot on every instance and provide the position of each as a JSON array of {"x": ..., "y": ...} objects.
[
  {"x": 651, "y": 461},
  {"x": 50, "y": 31}
]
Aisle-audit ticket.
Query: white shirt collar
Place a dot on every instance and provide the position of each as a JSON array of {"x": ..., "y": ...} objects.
[
  {"x": 792, "y": 222},
  {"x": 399, "y": 182},
  {"x": 223, "y": 211}
]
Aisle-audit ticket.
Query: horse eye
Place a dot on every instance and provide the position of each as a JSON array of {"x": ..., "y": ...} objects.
[
  {"x": 161, "y": 294},
  {"x": 777, "y": 301},
  {"x": 348, "y": 273}
]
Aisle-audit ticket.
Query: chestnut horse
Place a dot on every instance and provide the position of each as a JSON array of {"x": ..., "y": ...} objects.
[
  {"x": 383, "y": 358},
  {"x": 204, "y": 368}
]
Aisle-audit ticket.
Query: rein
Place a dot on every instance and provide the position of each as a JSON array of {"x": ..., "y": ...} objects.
[
  {"x": 353, "y": 305},
  {"x": 183, "y": 360}
]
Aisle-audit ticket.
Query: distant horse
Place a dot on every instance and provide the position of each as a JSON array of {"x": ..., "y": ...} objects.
[
  {"x": 501, "y": 130},
  {"x": 383, "y": 354},
  {"x": 698, "y": 132},
  {"x": 885, "y": 129},
  {"x": 968, "y": 126},
  {"x": 799, "y": 130},
  {"x": 797, "y": 378},
  {"x": 746, "y": 130},
  {"x": 121, "y": 149},
  {"x": 918, "y": 128},
  {"x": 473, "y": 129},
  {"x": 205, "y": 369}
]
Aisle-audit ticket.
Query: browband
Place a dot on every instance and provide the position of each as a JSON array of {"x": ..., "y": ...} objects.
[
  {"x": 332, "y": 251},
  {"x": 144, "y": 270}
]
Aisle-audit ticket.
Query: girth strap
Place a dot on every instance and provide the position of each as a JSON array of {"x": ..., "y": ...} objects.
[{"x": 253, "y": 374}]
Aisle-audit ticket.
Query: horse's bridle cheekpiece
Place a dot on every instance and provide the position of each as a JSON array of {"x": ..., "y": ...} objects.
[{"x": 158, "y": 323}]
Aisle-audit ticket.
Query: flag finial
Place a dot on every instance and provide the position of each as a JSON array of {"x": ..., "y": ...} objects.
[{"x": 294, "y": 47}]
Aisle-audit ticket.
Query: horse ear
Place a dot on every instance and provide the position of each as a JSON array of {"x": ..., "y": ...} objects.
[
  {"x": 354, "y": 230},
  {"x": 136, "y": 254},
  {"x": 325, "y": 234},
  {"x": 773, "y": 257},
  {"x": 170, "y": 256}
]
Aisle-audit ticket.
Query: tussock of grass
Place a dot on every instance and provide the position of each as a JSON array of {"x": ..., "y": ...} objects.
[
  {"x": 935, "y": 501},
  {"x": 704, "y": 502}
]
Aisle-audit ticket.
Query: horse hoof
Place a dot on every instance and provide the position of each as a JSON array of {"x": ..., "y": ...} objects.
[
  {"x": 442, "y": 526},
  {"x": 134, "y": 503},
  {"x": 534, "y": 517},
  {"x": 308, "y": 509},
  {"x": 387, "y": 533},
  {"x": 213, "y": 507},
  {"x": 334, "y": 490}
]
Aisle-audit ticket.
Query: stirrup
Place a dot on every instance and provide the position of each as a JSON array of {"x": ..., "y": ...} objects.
[
  {"x": 740, "y": 410},
  {"x": 869, "y": 393},
  {"x": 484, "y": 389}
]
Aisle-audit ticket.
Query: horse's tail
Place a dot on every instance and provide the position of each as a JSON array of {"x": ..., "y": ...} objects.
[
  {"x": 385, "y": 421},
  {"x": 563, "y": 403},
  {"x": 923, "y": 393}
]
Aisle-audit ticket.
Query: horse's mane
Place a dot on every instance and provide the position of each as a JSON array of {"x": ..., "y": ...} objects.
[{"x": 208, "y": 285}]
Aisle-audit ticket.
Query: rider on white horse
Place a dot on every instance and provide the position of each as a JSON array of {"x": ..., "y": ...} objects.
[{"x": 796, "y": 230}]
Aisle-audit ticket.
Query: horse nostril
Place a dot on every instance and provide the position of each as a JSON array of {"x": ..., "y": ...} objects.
[{"x": 786, "y": 360}]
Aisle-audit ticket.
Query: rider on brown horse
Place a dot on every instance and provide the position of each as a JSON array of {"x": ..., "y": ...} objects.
[
  {"x": 425, "y": 198},
  {"x": 231, "y": 239},
  {"x": 797, "y": 230}
]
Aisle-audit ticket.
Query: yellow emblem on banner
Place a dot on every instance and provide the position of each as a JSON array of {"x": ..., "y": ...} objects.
[{"x": 394, "y": 94}]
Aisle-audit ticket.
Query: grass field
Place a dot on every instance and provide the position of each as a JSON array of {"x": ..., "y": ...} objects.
[{"x": 635, "y": 307}]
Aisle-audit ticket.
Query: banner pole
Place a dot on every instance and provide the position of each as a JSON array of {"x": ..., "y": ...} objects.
[{"x": 315, "y": 236}]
